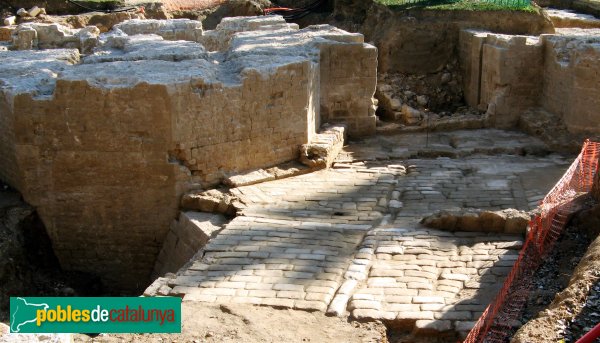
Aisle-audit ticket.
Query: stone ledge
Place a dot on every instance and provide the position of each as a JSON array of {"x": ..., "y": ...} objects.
[
  {"x": 506, "y": 221},
  {"x": 281, "y": 171},
  {"x": 211, "y": 201},
  {"x": 322, "y": 151}
]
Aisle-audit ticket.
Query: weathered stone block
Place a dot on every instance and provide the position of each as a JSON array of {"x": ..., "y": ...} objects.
[
  {"x": 9, "y": 21},
  {"x": 411, "y": 116},
  {"x": 508, "y": 221},
  {"x": 212, "y": 201},
  {"x": 423, "y": 326},
  {"x": 186, "y": 237},
  {"x": 155, "y": 123},
  {"x": 324, "y": 147}
]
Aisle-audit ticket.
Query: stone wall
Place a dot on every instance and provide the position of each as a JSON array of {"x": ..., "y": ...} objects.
[
  {"x": 95, "y": 168},
  {"x": 572, "y": 80},
  {"x": 225, "y": 130},
  {"x": 8, "y": 156},
  {"x": 347, "y": 97},
  {"x": 424, "y": 41},
  {"x": 501, "y": 74},
  {"x": 507, "y": 75},
  {"x": 103, "y": 145}
]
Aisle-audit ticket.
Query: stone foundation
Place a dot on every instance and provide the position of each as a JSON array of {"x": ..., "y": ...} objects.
[
  {"x": 507, "y": 75},
  {"x": 103, "y": 145},
  {"x": 572, "y": 79},
  {"x": 493, "y": 83}
]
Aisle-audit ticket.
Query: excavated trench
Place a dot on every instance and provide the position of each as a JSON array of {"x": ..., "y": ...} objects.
[
  {"x": 145, "y": 188},
  {"x": 415, "y": 89}
]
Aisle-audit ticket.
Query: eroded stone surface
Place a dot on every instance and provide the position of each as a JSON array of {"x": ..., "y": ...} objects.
[
  {"x": 53, "y": 36},
  {"x": 348, "y": 239},
  {"x": 172, "y": 29},
  {"x": 185, "y": 237},
  {"x": 552, "y": 71},
  {"x": 120, "y": 137},
  {"x": 508, "y": 220},
  {"x": 145, "y": 47}
]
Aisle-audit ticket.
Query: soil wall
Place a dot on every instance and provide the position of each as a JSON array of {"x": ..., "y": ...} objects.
[{"x": 424, "y": 41}]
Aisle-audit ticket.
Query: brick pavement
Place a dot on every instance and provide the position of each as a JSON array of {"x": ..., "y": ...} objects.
[
  {"x": 294, "y": 241},
  {"x": 347, "y": 239}
]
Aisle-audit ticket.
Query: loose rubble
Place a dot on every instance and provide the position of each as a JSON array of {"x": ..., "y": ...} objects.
[{"x": 589, "y": 316}]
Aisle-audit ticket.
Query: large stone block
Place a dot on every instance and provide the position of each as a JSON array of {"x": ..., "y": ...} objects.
[
  {"x": 104, "y": 149},
  {"x": 185, "y": 238},
  {"x": 571, "y": 85},
  {"x": 507, "y": 75}
]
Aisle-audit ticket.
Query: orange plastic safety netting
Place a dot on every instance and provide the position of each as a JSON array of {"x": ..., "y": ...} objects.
[{"x": 495, "y": 325}]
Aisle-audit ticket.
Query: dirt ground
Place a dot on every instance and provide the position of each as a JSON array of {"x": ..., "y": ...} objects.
[
  {"x": 554, "y": 274},
  {"x": 575, "y": 309},
  {"x": 246, "y": 323}
]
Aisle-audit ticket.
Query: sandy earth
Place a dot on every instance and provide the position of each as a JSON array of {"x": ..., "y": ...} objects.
[
  {"x": 552, "y": 324},
  {"x": 247, "y": 323},
  {"x": 240, "y": 323}
]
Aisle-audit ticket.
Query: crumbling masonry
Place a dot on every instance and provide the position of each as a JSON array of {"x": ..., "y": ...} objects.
[
  {"x": 102, "y": 134},
  {"x": 515, "y": 78}
]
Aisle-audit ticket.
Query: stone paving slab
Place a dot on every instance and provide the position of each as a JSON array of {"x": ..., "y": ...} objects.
[
  {"x": 430, "y": 275},
  {"x": 454, "y": 144},
  {"x": 335, "y": 196},
  {"x": 474, "y": 182},
  {"x": 272, "y": 262},
  {"x": 349, "y": 238},
  {"x": 293, "y": 242}
]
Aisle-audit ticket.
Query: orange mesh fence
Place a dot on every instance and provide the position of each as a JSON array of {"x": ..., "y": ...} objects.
[
  {"x": 183, "y": 5},
  {"x": 495, "y": 325}
]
